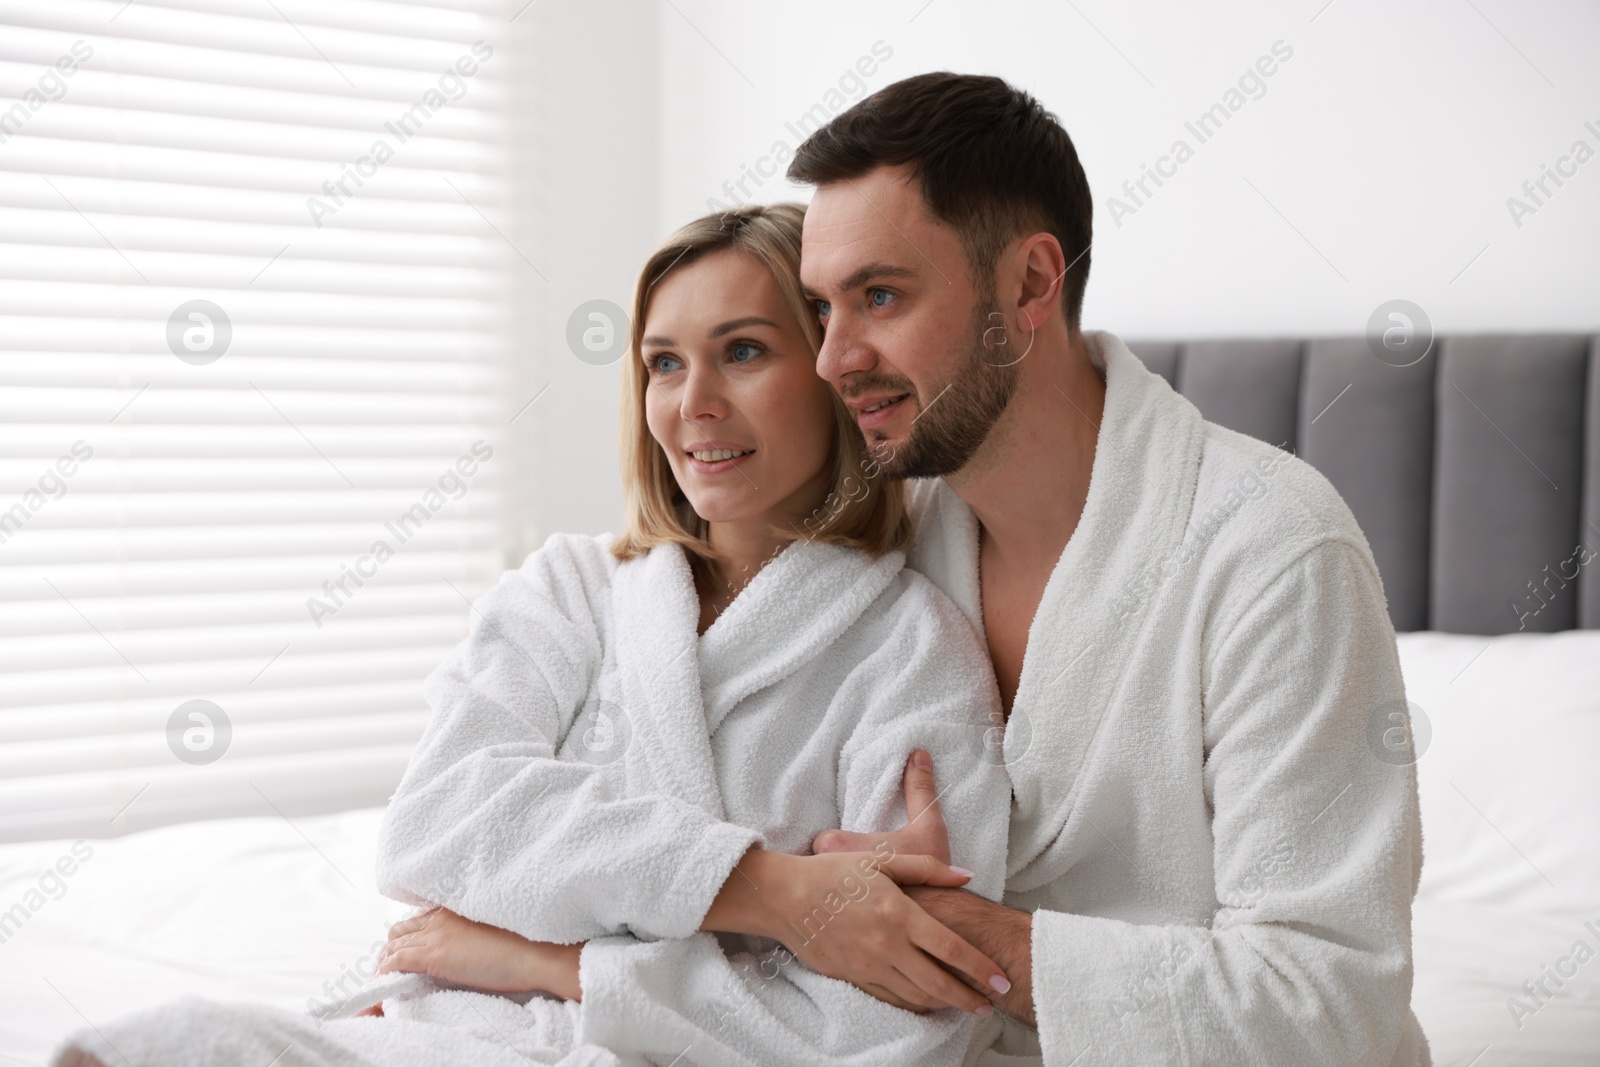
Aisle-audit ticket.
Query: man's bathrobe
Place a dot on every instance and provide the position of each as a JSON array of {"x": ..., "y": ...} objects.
[
  {"x": 594, "y": 769},
  {"x": 1219, "y": 857}
]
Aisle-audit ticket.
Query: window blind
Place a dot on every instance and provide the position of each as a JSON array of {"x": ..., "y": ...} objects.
[{"x": 253, "y": 313}]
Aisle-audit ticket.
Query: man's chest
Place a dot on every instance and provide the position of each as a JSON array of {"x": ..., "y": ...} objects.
[{"x": 1010, "y": 602}]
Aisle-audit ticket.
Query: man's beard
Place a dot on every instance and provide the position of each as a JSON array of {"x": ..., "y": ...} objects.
[{"x": 955, "y": 421}]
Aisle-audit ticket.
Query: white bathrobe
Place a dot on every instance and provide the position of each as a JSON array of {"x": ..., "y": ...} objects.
[
  {"x": 594, "y": 769},
  {"x": 1216, "y": 841}
]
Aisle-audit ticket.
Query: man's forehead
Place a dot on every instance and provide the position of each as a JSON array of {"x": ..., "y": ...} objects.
[{"x": 878, "y": 218}]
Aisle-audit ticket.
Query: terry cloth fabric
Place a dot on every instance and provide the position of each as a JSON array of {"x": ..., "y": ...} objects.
[
  {"x": 1218, "y": 846},
  {"x": 594, "y": 768},
  {"x": 443, "y": 1029}
]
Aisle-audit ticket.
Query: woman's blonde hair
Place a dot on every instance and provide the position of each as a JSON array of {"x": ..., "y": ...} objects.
[{"x": 863, "y": 509}]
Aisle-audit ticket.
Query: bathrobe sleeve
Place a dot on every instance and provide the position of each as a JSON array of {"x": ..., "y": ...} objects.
[
  {"x": 1317, "y": 852},
  {"x": 925, "y": 684},
  {"x": 488, "y": 822}
]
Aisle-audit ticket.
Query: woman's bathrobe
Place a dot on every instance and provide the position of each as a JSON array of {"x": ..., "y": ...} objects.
[
  {"x": 1213, "y": 829},
  {"x": 594, "y": 769}
]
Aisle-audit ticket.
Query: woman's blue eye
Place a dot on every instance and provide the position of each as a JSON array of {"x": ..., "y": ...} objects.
[
  {"x": 664, "y": 363},
  {"x": 754, "y": 350},
  {"x": 824, "y": 309},
  {"x": 875, "y": 293}
]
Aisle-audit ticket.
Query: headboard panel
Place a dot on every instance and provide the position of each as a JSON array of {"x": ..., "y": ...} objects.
[
  {"x": 1252, "y": 386},
  {"x": 1474, "y": 472},
  {"x": 1509, "y": 467},
  {"x": 1369, "y": 427}
]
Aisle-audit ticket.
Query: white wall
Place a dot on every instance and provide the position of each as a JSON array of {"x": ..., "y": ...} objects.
[
  {"x": 584, "y": 118},
  {"x": 1390, "y": 140}
]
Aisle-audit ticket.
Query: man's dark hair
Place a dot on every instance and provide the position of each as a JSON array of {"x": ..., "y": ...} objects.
[{"x": 991, "y": 161}]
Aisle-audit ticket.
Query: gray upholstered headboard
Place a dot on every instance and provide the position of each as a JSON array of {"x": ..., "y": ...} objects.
[{"x": 1474, "y": 472}]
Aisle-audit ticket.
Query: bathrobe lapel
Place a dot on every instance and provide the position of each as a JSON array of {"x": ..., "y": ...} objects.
[
  {"x": 658, "y": 672},
  {"x": 792, "y": 610},
  {"x": 677, "y": 686},
  {"x": 1141, "y": 491}
]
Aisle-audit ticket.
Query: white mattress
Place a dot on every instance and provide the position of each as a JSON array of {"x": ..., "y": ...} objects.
[
  {"x": 1471, "y": 957},
  {"x": 254, "y": 908}
]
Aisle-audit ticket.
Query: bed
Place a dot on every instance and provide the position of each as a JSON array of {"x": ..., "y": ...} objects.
[{"x": 1505, "y": 711}]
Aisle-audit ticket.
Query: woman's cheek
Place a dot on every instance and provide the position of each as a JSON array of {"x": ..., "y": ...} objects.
[
  {"x": 661, "y": 418},
  {"x": 655, "y": 414}
]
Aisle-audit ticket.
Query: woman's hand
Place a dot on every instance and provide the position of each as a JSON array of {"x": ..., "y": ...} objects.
[
  {"x": 844, "y": 915},
  {"x": 446, "y": 946},
  {"x": 925, "y": 834}
]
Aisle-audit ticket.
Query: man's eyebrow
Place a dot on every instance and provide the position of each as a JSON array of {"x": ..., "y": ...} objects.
[
  {"x": 863, "y": 275},
  {"x": 724, "y": 328}
]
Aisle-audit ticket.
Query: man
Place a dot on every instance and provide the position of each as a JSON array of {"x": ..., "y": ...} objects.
[{"x": 1208, "y": 861}]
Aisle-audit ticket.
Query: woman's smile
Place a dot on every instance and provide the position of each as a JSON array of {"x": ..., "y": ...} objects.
[{"x": 715, "y": 457}]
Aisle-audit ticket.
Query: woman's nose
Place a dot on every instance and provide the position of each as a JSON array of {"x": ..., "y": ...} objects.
[{"x": 703, "y": 396}]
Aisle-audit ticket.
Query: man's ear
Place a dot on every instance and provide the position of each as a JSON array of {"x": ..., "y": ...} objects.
[{"x": 1040, "y": 269}]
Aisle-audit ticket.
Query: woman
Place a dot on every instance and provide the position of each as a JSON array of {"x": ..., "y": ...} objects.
[{"x": 642, "y": 735}]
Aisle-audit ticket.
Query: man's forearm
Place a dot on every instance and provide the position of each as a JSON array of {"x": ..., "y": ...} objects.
[{"x": 1003, "y": 934}]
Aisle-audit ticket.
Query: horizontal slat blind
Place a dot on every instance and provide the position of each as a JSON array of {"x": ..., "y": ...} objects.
[{"x": 176, "y": 527}]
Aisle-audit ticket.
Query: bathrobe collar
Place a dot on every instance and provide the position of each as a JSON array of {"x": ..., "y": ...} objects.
[
  {"x": 791, "y": 611},
  {"x": 677, "y": 686},
  {"x": 1141, "y": 492}
]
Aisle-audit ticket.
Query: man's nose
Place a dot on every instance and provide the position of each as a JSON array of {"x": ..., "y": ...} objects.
[{"x": 843, "y": 353}]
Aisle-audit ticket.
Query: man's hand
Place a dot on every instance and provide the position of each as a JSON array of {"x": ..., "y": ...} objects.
[
  {"x": 447, "y": 946},
  {"x": 924, "y": 833},
  {"x": 838, "y": 918},
  {"x": 844, "y": 915},
  {"x": 1004, "y": 934}
]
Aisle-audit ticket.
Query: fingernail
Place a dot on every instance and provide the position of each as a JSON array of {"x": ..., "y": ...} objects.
[
  {"x": 923, "y": 761},
  {"x": 999, "y": 984},
  {"x": 962, "y": 871},
  {"x": 983, "y": 1009}
]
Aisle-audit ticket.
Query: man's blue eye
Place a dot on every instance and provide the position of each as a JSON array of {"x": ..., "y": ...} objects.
[
  {"x": 745, "y": 346},
  {"x": 883, "y": 293}
]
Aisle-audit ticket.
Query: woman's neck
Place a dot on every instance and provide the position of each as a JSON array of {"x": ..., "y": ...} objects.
[{"x": 742, "y": 548}]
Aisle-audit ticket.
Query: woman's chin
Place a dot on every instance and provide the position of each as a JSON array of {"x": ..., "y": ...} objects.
[{"x": 723, "y": 513}]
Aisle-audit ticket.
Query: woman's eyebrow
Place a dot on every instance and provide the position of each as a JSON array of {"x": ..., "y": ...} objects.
[
  {"x": 726, "y": 327},
  {"x": 739, "y": 324}
]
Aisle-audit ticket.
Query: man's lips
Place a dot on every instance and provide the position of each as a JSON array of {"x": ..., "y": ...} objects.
[{"x": 873, "y": 412}]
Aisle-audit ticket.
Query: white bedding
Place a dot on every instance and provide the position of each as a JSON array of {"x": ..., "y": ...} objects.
[
  {"x": 1511, "y": 842},
  {"x": 1471, "y": 957},
  {"x": 230, "y": 909},
  {"x": 264, "y": 909}
]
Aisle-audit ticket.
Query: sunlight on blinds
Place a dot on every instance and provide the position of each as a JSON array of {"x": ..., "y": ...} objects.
[{"x": 252, "y": 345}]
